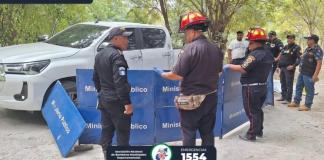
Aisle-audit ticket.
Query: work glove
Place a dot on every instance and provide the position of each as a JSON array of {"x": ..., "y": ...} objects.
[{"x": 158, "y": 71}]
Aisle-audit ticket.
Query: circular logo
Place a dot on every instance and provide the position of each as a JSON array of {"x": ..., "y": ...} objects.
[{"x": 161, "y": 152}]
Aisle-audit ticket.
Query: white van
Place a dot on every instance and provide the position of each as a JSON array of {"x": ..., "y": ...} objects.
[{"x": 28, "y": 71}]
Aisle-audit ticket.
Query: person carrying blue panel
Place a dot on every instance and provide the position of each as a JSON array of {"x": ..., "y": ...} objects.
[{"x": 255, "y": 70}]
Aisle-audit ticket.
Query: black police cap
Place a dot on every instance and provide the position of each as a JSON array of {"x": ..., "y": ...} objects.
[
  {"x": 313, "y": 37},
  {"x": 272, "y": 33},
  {"x": 118, "y": 31}
]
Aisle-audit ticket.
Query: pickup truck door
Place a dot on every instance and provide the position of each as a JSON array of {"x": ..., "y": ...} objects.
[
  {"x": 155, "y": 51},
  {"x": 133, "y": 54}
]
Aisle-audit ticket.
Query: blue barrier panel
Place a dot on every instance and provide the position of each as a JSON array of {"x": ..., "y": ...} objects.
[
  {"x": 87, "y": 93},
  {"x": 142, "y": 96},
  {"x": 142, "y": 128},
  {"x": 270, "y": 98},
  {"x": 233, "y": 110},
  {"x": 167, "y": 116},
  {"x": 92, "y": 132},
  {"x": 141, "y": 82},
  {"x": 63, "y": 119},
  {"x": 142, "y": 91},
  {"x": 219, "y": 111},
  {"x": 155, "y": 117},
  {"x": 165, "y": 91},
  {"x": 233, "y": 114},
  {"x": 167, "y": 124}
]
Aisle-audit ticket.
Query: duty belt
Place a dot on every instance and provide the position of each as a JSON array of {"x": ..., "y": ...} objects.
[{"x": 254, "y": 84}]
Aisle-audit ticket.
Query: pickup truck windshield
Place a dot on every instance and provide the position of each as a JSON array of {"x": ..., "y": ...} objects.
[{"x": 78, "y": 36}]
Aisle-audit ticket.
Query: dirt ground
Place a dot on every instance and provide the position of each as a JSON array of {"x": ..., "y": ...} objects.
[{"x": 288, "y": 135}]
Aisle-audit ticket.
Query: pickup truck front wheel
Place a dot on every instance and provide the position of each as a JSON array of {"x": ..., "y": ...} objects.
[{"x": 70, "y": 88}]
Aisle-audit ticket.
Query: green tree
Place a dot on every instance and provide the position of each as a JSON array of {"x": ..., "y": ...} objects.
[{"x": 220, "y": 14}]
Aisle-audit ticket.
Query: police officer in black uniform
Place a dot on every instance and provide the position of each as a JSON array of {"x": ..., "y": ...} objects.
[
  {"x": 275, "y": 45},
  {"x": 198, "y": 69},
  {"x": 110, "y": 78},
  {"x": 255, "y": 71},
  {"x": 289, "y": 58}
]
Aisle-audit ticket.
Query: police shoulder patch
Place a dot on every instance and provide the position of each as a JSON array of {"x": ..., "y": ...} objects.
[
  {"x": 248, "y": 61},
  {"x": 319, "y": 54},
  {"x": 122, "y": 71}
]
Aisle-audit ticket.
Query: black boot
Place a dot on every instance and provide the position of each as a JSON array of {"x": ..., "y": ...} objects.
[
  {"x": 260, "y": 135},
  {"x": 247, "y": 138}
]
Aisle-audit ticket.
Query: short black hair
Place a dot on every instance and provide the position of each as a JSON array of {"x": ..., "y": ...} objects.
[
  {"x": 291, "y": 36},
  {"x": 199, "y": 27},
  {"x": 239, "y": 32}
]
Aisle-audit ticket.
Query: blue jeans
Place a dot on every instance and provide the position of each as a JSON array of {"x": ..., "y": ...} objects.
[{"x": 307, "y": 82}]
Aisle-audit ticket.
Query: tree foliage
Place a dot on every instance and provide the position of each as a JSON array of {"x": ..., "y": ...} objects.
[{"x": 23, "y": 23}]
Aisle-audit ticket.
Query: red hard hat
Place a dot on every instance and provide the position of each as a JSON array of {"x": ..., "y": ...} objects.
[
  {"x": 256, "y": 34},
  {"x": 193, "y": 19}
]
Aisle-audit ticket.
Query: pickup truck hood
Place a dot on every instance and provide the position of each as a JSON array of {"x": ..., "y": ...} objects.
[{"x": 34, "y": 52}]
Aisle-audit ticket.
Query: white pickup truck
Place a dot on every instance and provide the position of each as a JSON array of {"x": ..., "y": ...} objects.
[{"x": 28, "y": 71}]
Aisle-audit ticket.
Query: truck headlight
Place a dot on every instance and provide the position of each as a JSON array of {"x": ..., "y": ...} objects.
[{"x": 30, "y": 68}]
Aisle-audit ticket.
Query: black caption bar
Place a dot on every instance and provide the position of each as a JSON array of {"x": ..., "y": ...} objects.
[
  {"x": 45, "y": 1},
  {"x": 161, "y": 152}
]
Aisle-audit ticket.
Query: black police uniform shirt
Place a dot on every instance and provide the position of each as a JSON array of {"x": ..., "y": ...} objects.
[
  {"x": 199, "y": 64},
  {"x": 110, "y": 76},
  {"x": 257, "y": 65},
  {"x": 309, "y": 60},
  {"x": 290, "y": 55},
  {"x": 275, "y": 47}
]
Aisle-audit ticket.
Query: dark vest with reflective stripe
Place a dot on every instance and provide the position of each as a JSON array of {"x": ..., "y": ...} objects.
[{"x": 288, "y": 55}]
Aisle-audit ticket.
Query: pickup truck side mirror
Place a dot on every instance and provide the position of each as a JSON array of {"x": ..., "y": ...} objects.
[
  {"x": 42, "y": 38},
  {"x": 102, "y": 46}
]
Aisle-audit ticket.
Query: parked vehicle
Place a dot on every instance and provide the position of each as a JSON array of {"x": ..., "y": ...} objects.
[{"x": 28, "y": 71}]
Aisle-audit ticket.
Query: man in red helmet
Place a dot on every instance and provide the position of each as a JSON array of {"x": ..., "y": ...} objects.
[
  {"x": 255, "y": 70},
  {"x": 198, "y": 69}
]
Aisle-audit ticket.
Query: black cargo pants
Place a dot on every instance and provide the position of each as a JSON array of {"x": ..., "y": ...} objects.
[
  {"x": 253, "y": 99},
  {"x": 287, "y": 80},
  {"x": 114, "y": 120}
]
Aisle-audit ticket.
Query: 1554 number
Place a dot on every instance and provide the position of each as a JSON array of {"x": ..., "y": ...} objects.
[{"x": 193, "y": 156}]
